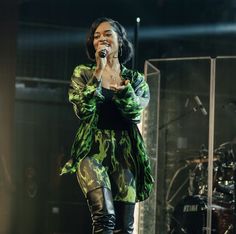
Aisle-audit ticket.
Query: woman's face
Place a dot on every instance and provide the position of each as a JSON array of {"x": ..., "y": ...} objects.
[{"x": 105, "y": 37}]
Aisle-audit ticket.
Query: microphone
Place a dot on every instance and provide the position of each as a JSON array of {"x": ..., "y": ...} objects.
[
  {"x": 102, "y": 53},
  {"x": 200, "y": 106}
]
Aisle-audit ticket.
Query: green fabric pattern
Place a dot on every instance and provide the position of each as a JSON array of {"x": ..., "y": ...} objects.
[
  {"x": 85, "y": 94},
  {"x": 109, "y": 164}
]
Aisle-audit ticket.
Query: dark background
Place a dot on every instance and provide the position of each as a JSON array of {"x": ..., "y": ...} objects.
[
  {"x": 168, "y": 28},
  {"x": 41, "y": 41}
]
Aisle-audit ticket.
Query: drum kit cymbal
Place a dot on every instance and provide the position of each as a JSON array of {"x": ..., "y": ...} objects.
[{"x": 189, "y": 215}]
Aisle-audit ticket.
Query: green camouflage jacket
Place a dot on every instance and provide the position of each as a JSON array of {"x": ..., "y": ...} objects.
[{"x": 84, "y": 94}]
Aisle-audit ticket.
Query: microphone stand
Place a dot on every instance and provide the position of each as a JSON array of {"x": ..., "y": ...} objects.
[
  {"x": 194, "y": 109},
  {"x": 136, "y": 44}
]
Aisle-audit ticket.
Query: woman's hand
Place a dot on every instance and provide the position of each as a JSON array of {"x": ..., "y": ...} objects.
[
  {"x": 101, "y": 61},
  {"x": 116, "y": 88}
]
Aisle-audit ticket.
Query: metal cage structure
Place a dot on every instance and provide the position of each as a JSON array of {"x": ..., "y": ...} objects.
[{"x": 190, "y": 132}]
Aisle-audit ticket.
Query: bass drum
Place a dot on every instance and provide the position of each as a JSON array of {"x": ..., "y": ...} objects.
[{"x": 190, "y": 214}]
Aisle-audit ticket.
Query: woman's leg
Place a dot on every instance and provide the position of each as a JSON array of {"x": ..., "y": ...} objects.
[
  {"x": 124, "y": 217},
  {"x": 124, "y": 193},
  {"x": 95, "y": 184},
  {"x": 101, "y": 207},
  {"x": 123, "y": 186},
  {"x": 124, "y": 201}
]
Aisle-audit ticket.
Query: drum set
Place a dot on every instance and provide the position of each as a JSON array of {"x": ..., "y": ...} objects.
[{"x": 189, "y": 215}]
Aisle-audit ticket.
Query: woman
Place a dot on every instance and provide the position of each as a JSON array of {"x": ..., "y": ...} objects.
[{"x": 108, "y": 154}]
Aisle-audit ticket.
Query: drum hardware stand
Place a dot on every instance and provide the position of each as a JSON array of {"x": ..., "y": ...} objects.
[
  {"x": 234, "y": 196},
  {"x": 231, "y": 157},
  {"x": 180, "y": 226},
  {"x": 229, "y": 229},
  {"x": 191, "y": 186},
  {"x": 171, "y": 183},
  {"x": 190, "y": 178}
]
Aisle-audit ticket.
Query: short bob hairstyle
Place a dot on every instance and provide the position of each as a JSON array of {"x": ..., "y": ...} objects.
[{"x": 125, "y": 52}]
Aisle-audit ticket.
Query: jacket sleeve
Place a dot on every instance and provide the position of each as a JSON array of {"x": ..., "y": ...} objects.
[
  {"x": 84, "y": 93},
  {"x": 133, "y": 98}
]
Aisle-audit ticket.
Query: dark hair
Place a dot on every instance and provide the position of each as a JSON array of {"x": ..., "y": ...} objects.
[{"x": 125, "y": 52}]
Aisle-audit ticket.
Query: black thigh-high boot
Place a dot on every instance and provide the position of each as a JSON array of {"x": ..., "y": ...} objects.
[
  {"x": 124, "y": 217},
  {"x": 101, "y": 207}
]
